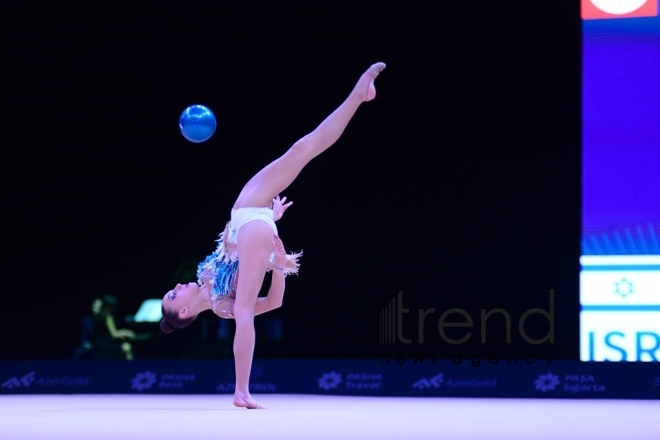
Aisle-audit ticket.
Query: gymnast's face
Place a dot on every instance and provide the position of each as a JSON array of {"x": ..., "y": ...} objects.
[{"x": 181, "y": 296}]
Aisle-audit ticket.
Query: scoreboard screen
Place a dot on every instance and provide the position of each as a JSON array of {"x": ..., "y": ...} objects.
[{"x": 620, "y": 262}]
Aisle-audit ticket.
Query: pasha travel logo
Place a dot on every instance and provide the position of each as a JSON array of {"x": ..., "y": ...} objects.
[
  {"x": 352, "y": 381},
  {"x": 571, "y": 383},
  {"x": 329, "y": 381},
  {"x": 600, "y": 9}
]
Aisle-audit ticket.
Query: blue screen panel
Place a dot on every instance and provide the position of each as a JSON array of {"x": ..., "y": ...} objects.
[{"x": 620, "y": 275}]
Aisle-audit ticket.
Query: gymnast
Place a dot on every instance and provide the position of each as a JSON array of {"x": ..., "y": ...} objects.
[{"x": 229, "y": 280}]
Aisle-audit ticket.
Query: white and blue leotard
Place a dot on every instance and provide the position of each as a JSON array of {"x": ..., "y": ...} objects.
[{"x": 221, "y": 267}]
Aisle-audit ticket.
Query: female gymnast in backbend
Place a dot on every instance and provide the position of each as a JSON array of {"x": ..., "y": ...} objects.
[{"x": 230, "y": 278}]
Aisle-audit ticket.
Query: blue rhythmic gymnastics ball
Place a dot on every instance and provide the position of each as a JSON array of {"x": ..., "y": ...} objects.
[{"x": 197, "y": 123}]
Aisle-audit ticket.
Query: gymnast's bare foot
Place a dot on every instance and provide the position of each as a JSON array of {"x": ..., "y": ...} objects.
[
  {"x": 365, "y": 89},
  {"x": 248, "y": 402}
]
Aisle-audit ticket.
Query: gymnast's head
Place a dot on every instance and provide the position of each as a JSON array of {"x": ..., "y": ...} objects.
[{"x": 178, "y": 307}]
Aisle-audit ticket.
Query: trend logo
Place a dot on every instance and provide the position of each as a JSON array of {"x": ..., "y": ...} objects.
[
  {"x": 599, "y": 9},
  {"x": 329, "y": 380},
  {"x": 546, "y": 382},
  {"x": 143, "y": 381},
  {"x": 434, "y": 382},
  {"x": 17, "y": 382}
]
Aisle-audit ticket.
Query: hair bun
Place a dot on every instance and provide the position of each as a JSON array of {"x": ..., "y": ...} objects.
[{"x": 166, "y": 327}]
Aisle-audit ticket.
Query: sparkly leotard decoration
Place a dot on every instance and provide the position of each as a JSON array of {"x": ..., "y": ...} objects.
[{"x": 220, "y": 269}]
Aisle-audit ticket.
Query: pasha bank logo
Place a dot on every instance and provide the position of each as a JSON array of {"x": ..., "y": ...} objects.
[
  {"x": 146, "y": 380},
  {"x": 599, "y": 9}
]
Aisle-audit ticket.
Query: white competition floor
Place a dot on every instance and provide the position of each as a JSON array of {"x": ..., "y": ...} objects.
[{"x": 162, "y": 417}]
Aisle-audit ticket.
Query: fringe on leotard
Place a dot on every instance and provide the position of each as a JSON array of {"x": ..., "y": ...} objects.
[{"x": 220, "y": 267}]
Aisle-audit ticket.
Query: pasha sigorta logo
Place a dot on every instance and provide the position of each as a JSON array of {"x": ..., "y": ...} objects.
[
  {"x": 547, "y": 382},
  {"x": 572, "y": 383}
]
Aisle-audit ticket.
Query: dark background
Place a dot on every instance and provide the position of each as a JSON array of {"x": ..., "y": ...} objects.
[{"x": 459, "y": 185}]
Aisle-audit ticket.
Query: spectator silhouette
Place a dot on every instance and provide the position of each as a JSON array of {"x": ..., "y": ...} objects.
[{"x": 99, "y": 336}]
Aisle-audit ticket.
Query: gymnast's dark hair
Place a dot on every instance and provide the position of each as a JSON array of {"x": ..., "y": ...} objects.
[{"x": 171, "y": 321}]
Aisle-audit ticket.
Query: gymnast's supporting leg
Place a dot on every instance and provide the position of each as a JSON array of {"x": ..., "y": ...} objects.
[
  {"x": 255, "y": 244},
  {"x": 254, "y": 249}
]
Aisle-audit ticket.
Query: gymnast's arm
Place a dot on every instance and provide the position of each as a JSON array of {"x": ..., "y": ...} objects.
[
  {"x": 224, "y": 307},
  {"x": 275, "y": 294}
]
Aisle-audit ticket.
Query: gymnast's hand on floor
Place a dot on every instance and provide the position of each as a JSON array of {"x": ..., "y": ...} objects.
[{"x": 279, "y": 206}]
